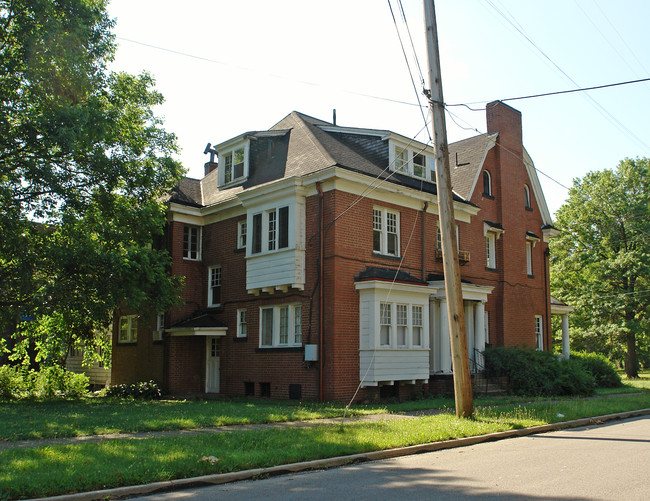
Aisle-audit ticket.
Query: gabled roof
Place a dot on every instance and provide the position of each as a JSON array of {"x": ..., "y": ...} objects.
[{"x": 466, "y": 159}]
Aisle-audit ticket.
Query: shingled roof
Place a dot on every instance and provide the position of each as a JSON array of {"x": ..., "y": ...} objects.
[{"x": 311, "y": 145}]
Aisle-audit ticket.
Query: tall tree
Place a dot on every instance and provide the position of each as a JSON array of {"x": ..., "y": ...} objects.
[
  {"x": 84, "y": 163},
  {"x": 601, "y": 260}
]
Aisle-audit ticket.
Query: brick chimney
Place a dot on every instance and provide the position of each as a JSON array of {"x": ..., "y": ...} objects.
[
  {"x": 506, "y": 121},
  {"x": 209, "y": 167}
]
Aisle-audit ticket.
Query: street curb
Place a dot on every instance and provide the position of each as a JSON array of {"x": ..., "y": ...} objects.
[{"x": 318, "y": 464}]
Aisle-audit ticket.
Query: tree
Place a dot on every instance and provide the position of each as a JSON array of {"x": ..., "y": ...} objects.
[
  {"x": 601, "y": 260},
  {"x": 84, "y": 165}
]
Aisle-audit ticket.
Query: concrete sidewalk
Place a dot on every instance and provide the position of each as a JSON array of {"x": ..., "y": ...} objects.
[{"x": 35, "y": 443}]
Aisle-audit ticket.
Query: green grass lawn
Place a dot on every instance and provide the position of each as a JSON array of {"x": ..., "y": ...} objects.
[
  {"x": 27, "y": 419},
  {"x": 53, "y": 470},
  {"x": 641, "y": 383}
]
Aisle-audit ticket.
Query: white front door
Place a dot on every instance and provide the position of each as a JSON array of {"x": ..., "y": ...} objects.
[{"x": 212, "y": 365}]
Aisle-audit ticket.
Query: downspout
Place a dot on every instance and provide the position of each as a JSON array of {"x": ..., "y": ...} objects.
[
  {"x": 320, "y": 293},
  {"x": 424, "y": 211},
  {"x": 547, "y": 298}
]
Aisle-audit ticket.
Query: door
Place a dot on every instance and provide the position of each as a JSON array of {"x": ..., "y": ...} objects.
[{"x": 212, "y": 365}]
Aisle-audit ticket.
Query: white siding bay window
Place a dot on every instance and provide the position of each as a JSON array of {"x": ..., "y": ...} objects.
[
  {"x": 275, "y": 243},
  {"x": 393, "y": 344}
]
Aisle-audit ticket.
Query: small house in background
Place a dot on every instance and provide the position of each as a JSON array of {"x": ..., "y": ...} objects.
[
  {"x": 312, "y": 264},
  {"x": 99, "y": 376}
]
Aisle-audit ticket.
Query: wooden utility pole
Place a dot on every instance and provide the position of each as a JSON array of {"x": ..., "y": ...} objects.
[{"x": 455, "y": 307}]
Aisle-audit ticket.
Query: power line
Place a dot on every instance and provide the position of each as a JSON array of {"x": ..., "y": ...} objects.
[
  {"x": 273, "y": 75},
  {"x": 554, "y": 93},
  {"x": 598, "y": 106}
]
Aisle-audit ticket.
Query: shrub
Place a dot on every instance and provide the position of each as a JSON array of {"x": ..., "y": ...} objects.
[
  {"x": 49, "y": 382},
  {"x": 537, "y": 373},
  {"x": 55, "y": 381},
  {"x": 144, "y": 389},
  {"x": 600, "y": 367},
  {"x": 12, "y": 382}
]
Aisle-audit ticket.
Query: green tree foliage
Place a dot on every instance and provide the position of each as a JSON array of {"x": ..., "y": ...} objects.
[
  {"x": 84, "y": 165},
  {"x": 601, "y": 261}
]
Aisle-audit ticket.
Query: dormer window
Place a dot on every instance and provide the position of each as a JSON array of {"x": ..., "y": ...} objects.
[
  {"x": 233, "y": 164},
  {"x": 411, "y": 162}
]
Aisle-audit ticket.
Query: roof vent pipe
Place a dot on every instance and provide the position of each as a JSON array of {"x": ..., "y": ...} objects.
[{"x": 334, "y": 116}]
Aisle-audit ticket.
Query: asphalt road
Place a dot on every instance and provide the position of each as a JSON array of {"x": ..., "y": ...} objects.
[{"x": 606, "y": 462}]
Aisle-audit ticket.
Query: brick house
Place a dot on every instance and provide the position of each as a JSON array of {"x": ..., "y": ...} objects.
[{"x": 312, "y": 266}]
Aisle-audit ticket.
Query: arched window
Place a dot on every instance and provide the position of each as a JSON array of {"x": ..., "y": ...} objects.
[
  {"x": 487, "y": 183},
  {"x": 527, "y": 196}
]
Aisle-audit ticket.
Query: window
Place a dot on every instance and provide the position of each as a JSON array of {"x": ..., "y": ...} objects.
[
  {"x": 241, "y": 235},
  {"x": 242, "y": 328},
  {"x": 160, "y": 326},
  {"x": 233, "y": 162},
  {"x": 411, "y": 162},
  {"x": 271, "y": 228},
  {"x": 402, "y": 324},
  {"x": 191, "y": 242},
  {"x": 539, "y": 332},
  {"x": 128, "y": 329},
  {"x": 257, "y": 234},
  {"x": 490, "y": 250},
  {"x": 385, "y": 236},
  {"x": 529, "y": 258},
  {"x": 281, "y": 326},
  {"x": 405, "y": 320},
  {"x": 417, "y": 325},
  {"x": 527, "y": 197},
  {"x": 385, "y": 323},
  {"x": 214, "y": 289},
  {"x": 439, "y": 238},
  {"x": 297, "y": 324},
  {"x": 487, "y": 183}
]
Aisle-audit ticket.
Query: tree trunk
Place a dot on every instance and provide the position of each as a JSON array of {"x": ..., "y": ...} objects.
[{"x": 631, "y": 362}]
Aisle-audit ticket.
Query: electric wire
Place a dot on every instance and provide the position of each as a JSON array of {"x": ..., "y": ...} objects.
[{"x": 595, "y": 103}]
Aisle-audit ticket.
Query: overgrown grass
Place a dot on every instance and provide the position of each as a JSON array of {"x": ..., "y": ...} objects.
[
  {"x": 56, "y": 470},
  {"x": 24, "y": 419}
]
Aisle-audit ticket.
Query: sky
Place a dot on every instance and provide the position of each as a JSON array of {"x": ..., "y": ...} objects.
[{"x": 227, "y": 67}]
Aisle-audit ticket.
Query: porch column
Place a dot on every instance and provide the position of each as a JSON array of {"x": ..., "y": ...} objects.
[
  {"x": 565, "y": 336},
  {"x": 434, "y": 335},
  {"x": 445, "y": 342},
  {"x": 479, "y": 333}
]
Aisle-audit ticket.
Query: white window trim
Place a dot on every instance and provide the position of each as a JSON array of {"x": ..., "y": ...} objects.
[
  {"x": 132, "y": 331},
  {"x": 527, "y": 201},
  {"x": 383, "y": 244},
  {"x": 199, "y": 243},
  {"x": 160, "y": 326},
  {"x": 408, "y": 167},
  {"x": 492, "y": 233},
  {"x": 265, "y": 242},
  {"x": 393, "y": 341},
  {"x": 531, "y": 241},
  {"x": 222, "y": 164},
  {"x": 490, "y": 250},
  {"x": 240, "y": 324},
  {"x": 539, "y": 332},
  {"x": 242, "y": 234},
  {"x": 210, "y": 286},
  {"x": 291, "y": 327}
]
